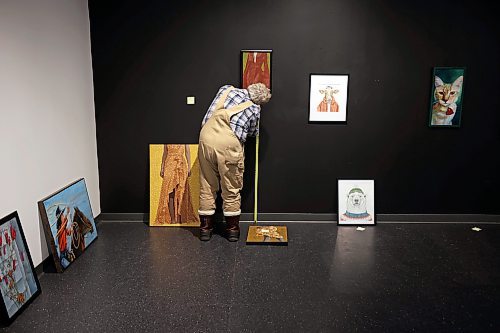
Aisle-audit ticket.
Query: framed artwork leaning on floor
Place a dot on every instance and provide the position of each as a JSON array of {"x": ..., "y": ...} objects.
[
  {"x": 68, "y": 223},
  {"x": 18, "y": 281},
  {"x": 174, "y": 178},
  {"x": 356, "y": 202}
]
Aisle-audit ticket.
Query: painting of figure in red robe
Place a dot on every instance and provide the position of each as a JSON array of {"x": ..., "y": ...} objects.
[
  {"x": 68, "y": 222},
  {"x": 256, "y": 67}
]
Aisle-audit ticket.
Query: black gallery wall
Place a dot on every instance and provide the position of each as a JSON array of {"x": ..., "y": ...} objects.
[{"x": 149, "y": 55}]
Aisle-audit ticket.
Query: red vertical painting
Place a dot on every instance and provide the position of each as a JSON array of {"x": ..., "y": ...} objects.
[{"x": 256, "y": 67}]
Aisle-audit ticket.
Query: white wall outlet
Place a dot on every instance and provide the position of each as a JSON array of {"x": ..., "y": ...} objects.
[{"x": 190, "y": 100}]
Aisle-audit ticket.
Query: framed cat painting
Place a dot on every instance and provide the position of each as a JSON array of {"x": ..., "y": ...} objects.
[{"x": 446, "y": 97}]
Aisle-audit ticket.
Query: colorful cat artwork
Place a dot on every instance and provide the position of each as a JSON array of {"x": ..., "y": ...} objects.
[{"x": 446, "y": 95}]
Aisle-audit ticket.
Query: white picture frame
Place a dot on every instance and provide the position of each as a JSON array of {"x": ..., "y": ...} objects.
[
  {"x": 328, "y": 97},
  {"x": 356, "y": 202}
]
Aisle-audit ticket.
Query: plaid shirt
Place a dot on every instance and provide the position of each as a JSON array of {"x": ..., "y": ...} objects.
[{"x": 244, "y": 123}]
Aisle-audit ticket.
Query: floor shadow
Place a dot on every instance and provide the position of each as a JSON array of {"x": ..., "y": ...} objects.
[
  {"x": 48, "y": 265},
  {"x": 219, "y": 228}
]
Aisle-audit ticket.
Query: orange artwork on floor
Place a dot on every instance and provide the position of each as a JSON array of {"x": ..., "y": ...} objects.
[{"x": 256, "y": 68}]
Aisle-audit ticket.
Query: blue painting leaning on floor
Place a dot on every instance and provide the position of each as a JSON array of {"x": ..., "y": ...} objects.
[{"x": 68, "y": 216}]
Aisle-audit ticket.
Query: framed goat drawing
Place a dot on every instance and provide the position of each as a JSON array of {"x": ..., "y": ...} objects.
[{"x": 328, "y": 95}]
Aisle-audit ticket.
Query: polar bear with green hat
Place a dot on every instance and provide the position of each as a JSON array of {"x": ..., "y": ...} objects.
[{"x": 356, "y": 206}]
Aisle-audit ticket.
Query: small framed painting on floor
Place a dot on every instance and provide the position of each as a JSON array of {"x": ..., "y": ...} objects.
[
  {"x": 18, "y": 281},
  {"x": 356, "y": 202},
  {"x": 328, "y": 95}
]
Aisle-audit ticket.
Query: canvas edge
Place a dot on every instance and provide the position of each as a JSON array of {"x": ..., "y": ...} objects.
[
  {"x": 91, "y": 215},
  {"x": 49, "y": 238},
  {"x": 149, "y": 164}
]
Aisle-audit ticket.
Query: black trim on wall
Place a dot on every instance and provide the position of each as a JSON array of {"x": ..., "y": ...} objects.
[{"x": 330, "y": 218}]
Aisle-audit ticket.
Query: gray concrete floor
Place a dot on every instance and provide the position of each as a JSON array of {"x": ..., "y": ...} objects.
[{"x": 388, "y": 278}]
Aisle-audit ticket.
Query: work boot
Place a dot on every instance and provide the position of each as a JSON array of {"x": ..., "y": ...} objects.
[
  {"x": 233, "y": 228},
  {"x": 206, "y": 227}
]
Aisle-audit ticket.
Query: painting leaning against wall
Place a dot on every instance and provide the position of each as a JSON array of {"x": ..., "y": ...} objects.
[
  {"x": 356, "y": 202},
  {"x": 18, "y": 280},
  {"x": 174, "y": 185},
  {"x": 68, "y": 222}
]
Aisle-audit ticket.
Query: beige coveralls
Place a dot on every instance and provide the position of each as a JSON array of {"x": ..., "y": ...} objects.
[{"x": 221, "y": 156}]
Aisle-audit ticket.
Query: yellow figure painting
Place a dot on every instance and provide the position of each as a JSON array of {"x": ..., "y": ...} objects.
[{"x": 174, "y": 180}]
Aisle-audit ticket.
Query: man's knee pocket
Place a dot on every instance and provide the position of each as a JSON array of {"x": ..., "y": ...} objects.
[{"x": 235, "y": 164}]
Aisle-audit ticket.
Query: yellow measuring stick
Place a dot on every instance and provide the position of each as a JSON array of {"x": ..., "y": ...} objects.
[
  {"x": 264, "y": 234},
  {"x": 256, "y": 177}
]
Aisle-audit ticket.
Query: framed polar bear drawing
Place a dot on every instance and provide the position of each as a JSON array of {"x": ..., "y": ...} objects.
[{"x": 356, "y": 202}]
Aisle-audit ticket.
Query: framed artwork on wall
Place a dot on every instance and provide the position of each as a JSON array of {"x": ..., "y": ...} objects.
[
  {"x": 256, "y": 67},
  {"x": 356, "y": 202},
  {"x": 446, "y": 97},
  {"x": 18, "y": 281},
  {"x": 328, "y": 96},
  {"x": 174, "y": 174},
  {"x": 68, "y": 223}
]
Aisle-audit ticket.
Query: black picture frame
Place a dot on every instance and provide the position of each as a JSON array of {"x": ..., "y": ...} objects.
[
  {"x": 431, "y": 97},
  {"x": 339, "y": 213},
  {"x": 49, "y": 237},
  {"x": 270, "y": 65},
  {"x": 340, "y": 122},
  {"x": 25, "y": 257}
]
